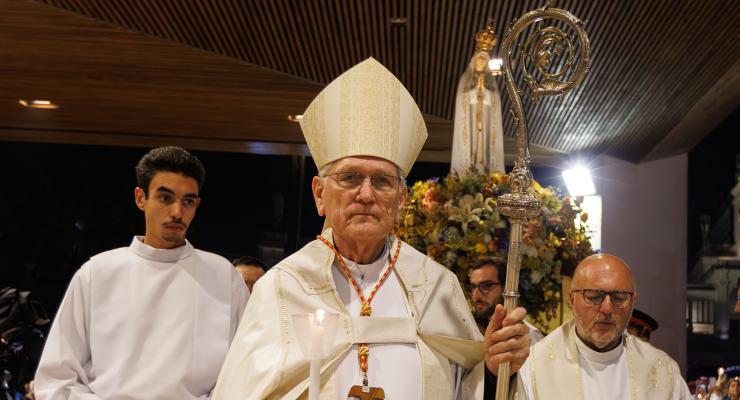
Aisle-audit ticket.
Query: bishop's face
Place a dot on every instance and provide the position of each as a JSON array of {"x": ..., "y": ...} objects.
[
  {"x": 363, "y": 213},
  {"x": 169, "y": 208}
]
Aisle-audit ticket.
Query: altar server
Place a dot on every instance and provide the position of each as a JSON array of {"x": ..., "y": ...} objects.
[{"x": 153, "y": 320}]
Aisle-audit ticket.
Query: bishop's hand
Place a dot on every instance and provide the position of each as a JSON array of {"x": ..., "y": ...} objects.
[{"x": 507, "y": 339}]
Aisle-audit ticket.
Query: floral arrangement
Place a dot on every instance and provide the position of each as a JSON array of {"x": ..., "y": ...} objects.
[{"x": 454, "y": 220}]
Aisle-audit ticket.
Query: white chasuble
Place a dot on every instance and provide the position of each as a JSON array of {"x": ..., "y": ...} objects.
[
  {"x": 140, "y": 322},
  {"x": 562, "y": 367},
  {"x": 424, "y": 343}
]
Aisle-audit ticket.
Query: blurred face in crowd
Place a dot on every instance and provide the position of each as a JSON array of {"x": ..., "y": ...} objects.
[
  {"x": 251, "y": 274},
  {"x": 734, "y": 389},
  {"x": 360, "y": 197},
  {"x": 602, "y": 297},
  {"x": 169, "y": 208},
  {"x": 485, "y": 291}
]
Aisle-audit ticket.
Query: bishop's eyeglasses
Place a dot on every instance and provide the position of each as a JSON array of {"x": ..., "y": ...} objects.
[
  {"x": 595, "y": 297},
  {"x": 352, "y": 180}
]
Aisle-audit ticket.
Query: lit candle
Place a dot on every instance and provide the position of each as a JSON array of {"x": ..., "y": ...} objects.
[
  {"x": 317, "y": 334},
  {"x": 316, "y": 353}
]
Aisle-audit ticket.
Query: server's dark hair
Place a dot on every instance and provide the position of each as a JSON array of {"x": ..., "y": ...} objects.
[{"x": 169, "y": 159}]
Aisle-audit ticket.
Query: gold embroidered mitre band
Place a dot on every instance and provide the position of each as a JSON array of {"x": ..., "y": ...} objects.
[{"x": 366, "y": 111}]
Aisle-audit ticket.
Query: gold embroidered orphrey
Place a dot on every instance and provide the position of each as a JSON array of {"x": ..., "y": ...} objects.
[{"x": 555, "y": 367}]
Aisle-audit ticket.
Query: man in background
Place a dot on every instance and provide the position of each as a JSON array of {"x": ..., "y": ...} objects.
[
  {"x": 155, "y": 319},
  {"x": 251, "y": 268},
  {"x": 485, "y": 282},
  {"x": 641, "y": 325},
  {"x": 591, "y": 357}
]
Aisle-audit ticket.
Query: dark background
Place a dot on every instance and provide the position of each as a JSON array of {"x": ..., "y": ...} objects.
[{"x": 713, "y": 165}]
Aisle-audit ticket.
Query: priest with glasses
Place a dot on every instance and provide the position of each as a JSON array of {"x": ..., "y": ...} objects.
[{"x": 592, "y": 357}]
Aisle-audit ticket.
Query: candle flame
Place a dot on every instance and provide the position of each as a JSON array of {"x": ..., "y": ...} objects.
[{"x": 320, "y": 316}]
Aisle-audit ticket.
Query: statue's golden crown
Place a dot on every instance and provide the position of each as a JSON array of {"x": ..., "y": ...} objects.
[{"x": 486, "y": 39}]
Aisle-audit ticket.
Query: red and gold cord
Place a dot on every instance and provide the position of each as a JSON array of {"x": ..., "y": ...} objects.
[{"x": 363, "y": 351}]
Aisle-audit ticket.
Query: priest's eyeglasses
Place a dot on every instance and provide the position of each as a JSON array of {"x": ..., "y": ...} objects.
[
  {"x": 485, "y": 287},
  {"x": 352, "y": 180},
  {"x": 595, "y": 297}
]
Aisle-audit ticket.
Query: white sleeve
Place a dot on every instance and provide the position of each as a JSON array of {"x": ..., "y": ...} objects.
[
  {"x": 239, "y": 298},
  {"x": 524, "y": 380},
  {"x": 472, "y": 385},
  {"x": 680, "y": 389},
  {"x": 64, "y": 371},
  {"x": 253, "y": 364},
  {"x": 458, "y": 374}
]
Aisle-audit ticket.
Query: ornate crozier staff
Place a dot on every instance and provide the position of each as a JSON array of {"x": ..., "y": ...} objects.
[{"x": 540, "y": 49}]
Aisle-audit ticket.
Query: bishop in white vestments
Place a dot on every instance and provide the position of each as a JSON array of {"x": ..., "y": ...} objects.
[
  {"x": 404, "y": 324},
  {"x": 592, "y": 357},
  {"x": 153, "y": 320}
]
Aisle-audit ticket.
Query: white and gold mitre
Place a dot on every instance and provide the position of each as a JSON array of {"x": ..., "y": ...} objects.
[{"x": 366, "y": 111}]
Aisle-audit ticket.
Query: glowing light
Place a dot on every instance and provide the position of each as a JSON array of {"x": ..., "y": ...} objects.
[
  {"x": 494, "y": 65},
  {"x": 43, "y": 104},
  {"x": 579, "y": 182},
  {"x": 320, "y": 314}
]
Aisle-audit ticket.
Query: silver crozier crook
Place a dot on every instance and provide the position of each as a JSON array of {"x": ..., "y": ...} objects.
[{"x": 547, "y": 59}]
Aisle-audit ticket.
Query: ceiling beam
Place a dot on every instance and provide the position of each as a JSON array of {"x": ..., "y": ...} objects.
[
  {"x": 541, "y": 156},
  {"x": 713, "y": 108}
]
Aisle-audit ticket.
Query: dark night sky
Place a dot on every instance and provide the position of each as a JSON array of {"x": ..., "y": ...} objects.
[{"x": 711, "y": 176}]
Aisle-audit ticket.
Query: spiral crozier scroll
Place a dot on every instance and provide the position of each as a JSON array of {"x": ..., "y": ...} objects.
[{"x": 552, "y": 59}]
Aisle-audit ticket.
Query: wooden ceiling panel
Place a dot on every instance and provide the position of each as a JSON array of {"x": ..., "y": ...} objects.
[
  {"x": 109, "y": 79},
  {"x": 236, "y": 68}
]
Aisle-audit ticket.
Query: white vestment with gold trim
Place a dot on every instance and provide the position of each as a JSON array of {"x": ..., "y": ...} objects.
[
  {"x": 433, "y": 330},
  {"x": 562, "y": 367}
]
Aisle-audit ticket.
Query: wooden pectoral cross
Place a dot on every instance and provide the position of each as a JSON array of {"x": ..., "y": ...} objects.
[{"x": 366, "y": 393}]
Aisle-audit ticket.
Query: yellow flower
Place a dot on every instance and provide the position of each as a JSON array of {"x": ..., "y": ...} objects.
[
  {"x": 409, "y": 219},
  {"x": 480, "y": 248}
]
